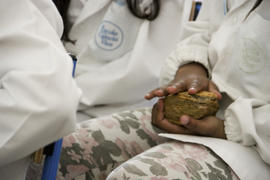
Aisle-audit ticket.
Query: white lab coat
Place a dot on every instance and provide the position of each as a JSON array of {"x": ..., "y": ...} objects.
[
  {"x": 38, "y": 96},
  {"x": 115, "y": 74},
  {"x": 236, "y": 52}
]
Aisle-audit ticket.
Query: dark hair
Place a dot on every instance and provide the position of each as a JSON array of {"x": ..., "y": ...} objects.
[
  {"x": 62, "y": 6},
  {"x": 258, "y": 2},
  {"x": 133, "y": 6}
]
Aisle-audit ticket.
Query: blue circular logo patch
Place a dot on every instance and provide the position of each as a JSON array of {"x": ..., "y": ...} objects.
[{"x": 109, "y": 36}]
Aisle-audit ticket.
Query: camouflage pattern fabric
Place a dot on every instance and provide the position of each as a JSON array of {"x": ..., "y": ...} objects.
[
  {"x": 100, "y": 145},
  {"x": 174, "y": 161},
  {"x": 107, "y": 145},
  {"x": 127, "y": 146}
]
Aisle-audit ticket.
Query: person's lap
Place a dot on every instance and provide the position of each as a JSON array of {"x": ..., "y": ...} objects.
[
  {"x": 107, "y": 145},
  {"x": 100, "y": 145},
  {"x": 174, "y": 160}
]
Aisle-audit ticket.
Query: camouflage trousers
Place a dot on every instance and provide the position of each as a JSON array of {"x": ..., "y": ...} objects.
[{"x": 127, "y": 146}]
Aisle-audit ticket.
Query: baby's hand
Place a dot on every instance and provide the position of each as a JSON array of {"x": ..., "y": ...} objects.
[{"x": 190, "y": 77}]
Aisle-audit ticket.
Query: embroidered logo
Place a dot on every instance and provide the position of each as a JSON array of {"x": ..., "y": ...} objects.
[
  {"x": 252, "y": 57},
  {"x": 109, "y": 36}
]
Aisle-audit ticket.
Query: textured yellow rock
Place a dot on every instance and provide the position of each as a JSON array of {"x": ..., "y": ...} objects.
[{"x": 198, "y": 105}]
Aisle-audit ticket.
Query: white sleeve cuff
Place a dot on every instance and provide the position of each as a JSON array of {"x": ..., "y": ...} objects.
[
  {"x": 239, "y": 122},
  {"x": 181, "y": 56},
  {"x": 232, "y": 127},
  {"x": 247, "y": 122}
]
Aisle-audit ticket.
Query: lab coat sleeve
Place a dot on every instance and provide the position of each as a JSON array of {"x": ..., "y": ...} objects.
[
  {"x": 247, "y": 121},
  {"x": 38, "y": 95},
  {"x": 193, "y": 45}
]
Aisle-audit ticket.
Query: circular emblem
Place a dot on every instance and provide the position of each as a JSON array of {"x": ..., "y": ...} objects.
[
  {"x": 109, "y": 36},
  {"x": 252, "y": 57}
]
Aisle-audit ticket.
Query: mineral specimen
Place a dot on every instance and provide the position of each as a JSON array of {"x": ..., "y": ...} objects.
[{"x": 198, "y": 105}]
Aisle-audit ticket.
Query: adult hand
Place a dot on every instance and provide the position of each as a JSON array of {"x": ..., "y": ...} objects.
[
  {"x": 210, "y": 126},
  {"x": 190, "y": 77}
]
